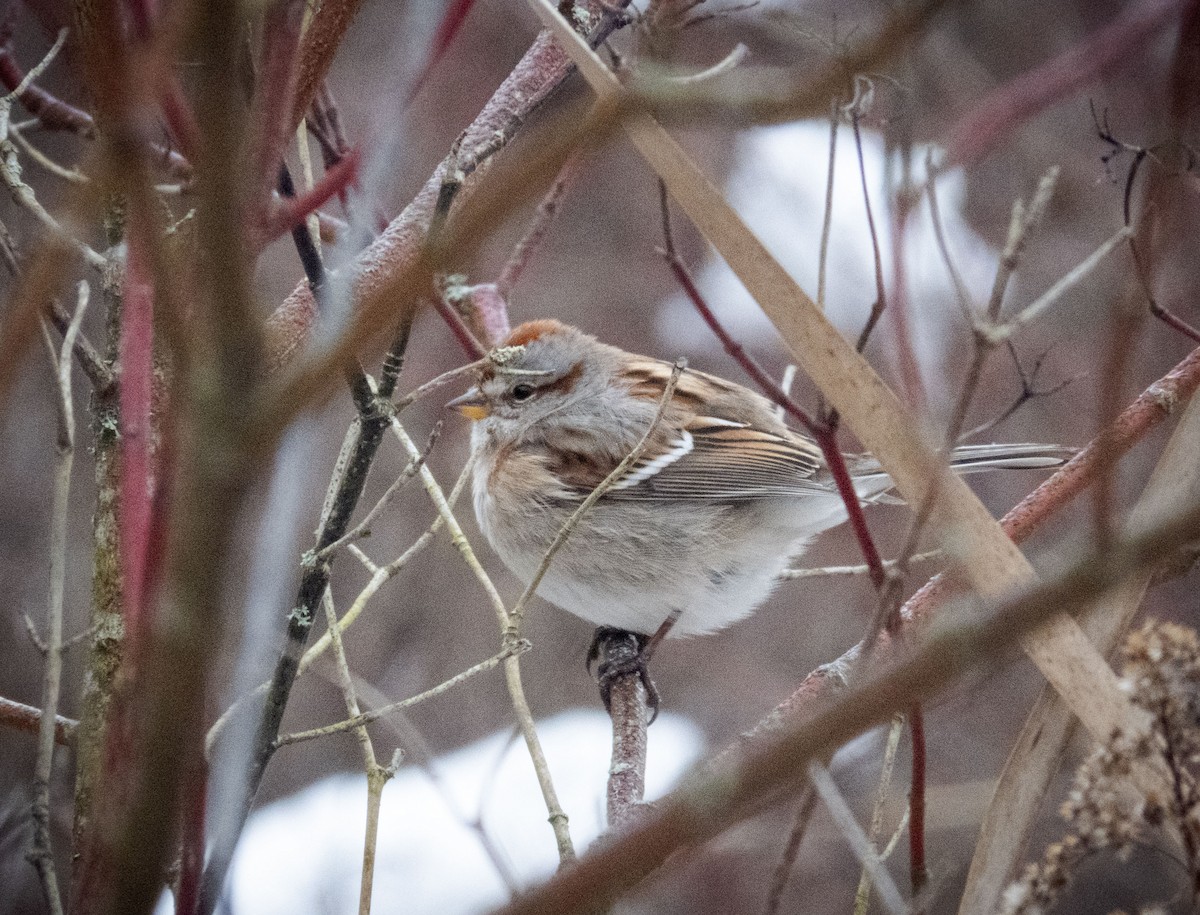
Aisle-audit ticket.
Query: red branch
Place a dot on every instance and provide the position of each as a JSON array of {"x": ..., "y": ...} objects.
[
  {"x": 291, "y": 212},
  {"x": 53, "y": 112},
  {"x": 191, "y": 863},
  {"x": 825, "y": 435},
  {"x": 992, "y": 120},
  {"x": 276, "y": 85},
  {"x": 456, "y": 15},
  {"x": 538, "y": 73}
]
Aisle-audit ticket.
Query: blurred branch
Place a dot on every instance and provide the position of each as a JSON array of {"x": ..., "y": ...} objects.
[
  {"x": 996, "y": 117},
  {"x": 22, "y": 717},
  {"x": 791, "y": 849},
  {"x": 394, "y": 262},
  {"x": 55, "y": 114},
  {"x": 218, "y": 381},
  {"x": 856, "y": 838}
]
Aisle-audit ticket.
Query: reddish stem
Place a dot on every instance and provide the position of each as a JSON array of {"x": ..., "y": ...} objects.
[
  {"x": 275, "y": 88},
  {"x": 191, "y": 864},
  {"x": 292, "y": 211},
  {"x": 993, "y": 120},
  {"x": 456, "y": 15},
  {"x": 458, "y": 327},
  {"x": 536, "y": 233},
  {"x": 1173, "y": 321},
  {"x": 826, "y": 438},
  {"x": 823, "y": 434},
  {"x": 53, "y": 112},
  {"x": 24, "y": 717},
  {"x": 180, "y": 118},
  {"x": 916, "y": 801}
]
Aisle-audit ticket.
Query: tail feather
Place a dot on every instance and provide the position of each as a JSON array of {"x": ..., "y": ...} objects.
[
  {"x": 871, "y": 481},
  {"x": 968, "y": 458}
]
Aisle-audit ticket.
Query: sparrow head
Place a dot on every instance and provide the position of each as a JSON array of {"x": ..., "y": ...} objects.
[{"x": 541, "y": 368}]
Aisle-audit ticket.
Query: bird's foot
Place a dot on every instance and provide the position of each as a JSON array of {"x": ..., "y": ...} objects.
[{"x": 622, "y": 654}]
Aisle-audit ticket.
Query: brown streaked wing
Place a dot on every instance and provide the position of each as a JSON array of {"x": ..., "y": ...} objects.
[{"x": 727, "y": 462}]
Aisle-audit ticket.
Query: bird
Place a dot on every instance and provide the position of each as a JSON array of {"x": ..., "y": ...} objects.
[{"x": 694, "y": 534}]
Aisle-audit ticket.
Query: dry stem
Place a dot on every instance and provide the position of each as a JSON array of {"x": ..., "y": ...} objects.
[{"x": 42, "y": 852}]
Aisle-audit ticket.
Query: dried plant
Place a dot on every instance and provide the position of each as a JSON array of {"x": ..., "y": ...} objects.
[{"x": 1109, "y": 812}]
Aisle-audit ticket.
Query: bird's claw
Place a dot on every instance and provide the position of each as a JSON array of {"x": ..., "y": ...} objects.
[{"x": 621, "y": 654}]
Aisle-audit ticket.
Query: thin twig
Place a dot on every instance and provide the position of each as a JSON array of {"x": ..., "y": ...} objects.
[
  {"x": 379, "y": 577},
  {"x": 535, "y": 233},
  {"x": 961, "y": 295},
  {"x": 437, "y": 382},
  {"x": 90, "y": 360},
  {"x": 363, "y": 527},
  {"x": 827, "y": 218},
  {"x": 42, "y": 851},
  {"x": 862, "y": 896},
  {"x": 791, "y": 849},
  {"x": 377, "y": 775},
  {"x": 10, "y": 167},
  {"x": 836, "y": 571},
  {"x": 359, "y": 719},
  {"x": 1052, "y": 295},
  {"x": 853, "y": 833},
  {"x": 880, "y": 303},
  {"x": 512, "y": 666}
]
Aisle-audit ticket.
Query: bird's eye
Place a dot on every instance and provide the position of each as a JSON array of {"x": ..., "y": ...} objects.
[{"x": 522, "y": 391}]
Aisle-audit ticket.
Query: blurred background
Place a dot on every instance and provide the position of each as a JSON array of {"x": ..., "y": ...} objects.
[{"x": 599, "y": 269}]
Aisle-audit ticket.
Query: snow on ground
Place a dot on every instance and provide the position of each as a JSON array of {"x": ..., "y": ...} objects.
[{"x": 303, "y": 854}]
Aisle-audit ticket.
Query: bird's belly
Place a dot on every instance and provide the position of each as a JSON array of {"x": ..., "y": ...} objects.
[{"x": 630, "y": 565}]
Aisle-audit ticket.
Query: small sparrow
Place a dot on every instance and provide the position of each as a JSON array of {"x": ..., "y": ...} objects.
[{"x": 693, "y": 536}]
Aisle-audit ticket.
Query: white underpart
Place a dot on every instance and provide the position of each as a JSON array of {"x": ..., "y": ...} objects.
[{"x": 680, "y": 447}]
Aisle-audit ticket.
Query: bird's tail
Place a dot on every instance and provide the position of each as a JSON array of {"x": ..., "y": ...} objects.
[
  {"x": 969, "y": 458},
  {"x": 873, "y": 484},
  {"x": 973, "y": 458}
]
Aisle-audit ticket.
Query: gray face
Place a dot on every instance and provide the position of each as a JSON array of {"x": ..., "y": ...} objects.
[{"x": 530, "y": 387}]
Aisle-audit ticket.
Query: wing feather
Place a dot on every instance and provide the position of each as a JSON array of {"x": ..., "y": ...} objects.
[{"x": 727, "y": 461}]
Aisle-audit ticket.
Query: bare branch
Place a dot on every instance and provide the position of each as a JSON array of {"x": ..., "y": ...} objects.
[{"x": 357, "y": 721}]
